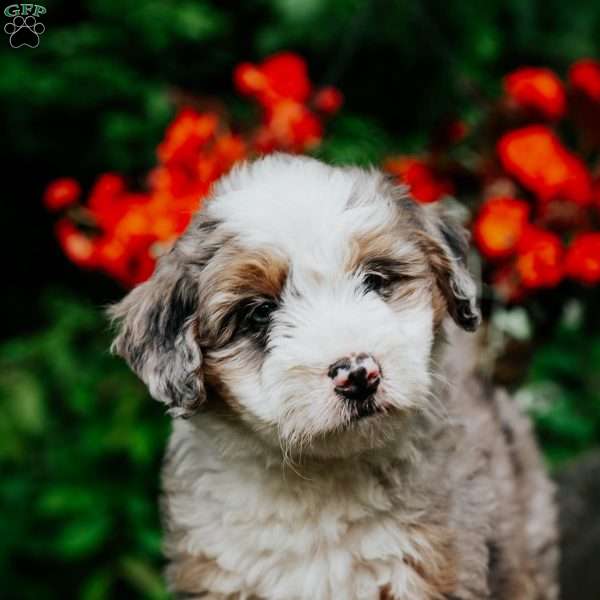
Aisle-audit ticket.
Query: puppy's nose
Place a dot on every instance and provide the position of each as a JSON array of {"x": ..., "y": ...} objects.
[{"x": 355, "y": 377}]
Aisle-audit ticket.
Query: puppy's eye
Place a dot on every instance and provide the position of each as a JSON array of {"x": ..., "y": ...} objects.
[
  {"x": 375, "y": 282},
  {"x": 260, "y": 315}
]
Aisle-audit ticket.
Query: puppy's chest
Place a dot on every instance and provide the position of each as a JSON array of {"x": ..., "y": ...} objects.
[{"x": 263, "y": 538}]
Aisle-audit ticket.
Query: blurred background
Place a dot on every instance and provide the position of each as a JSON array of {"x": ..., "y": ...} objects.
[{"x": 114, "y": 127}]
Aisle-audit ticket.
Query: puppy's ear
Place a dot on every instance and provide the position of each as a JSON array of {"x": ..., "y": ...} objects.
[
  {"x": 446, "y": 244},
  {"x": 157, "y": 336}
]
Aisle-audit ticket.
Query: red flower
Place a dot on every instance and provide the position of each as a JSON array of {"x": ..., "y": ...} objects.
[
  {"x": 500, "y": 225},
  {"x": 186, "y": 135},
  {"x": 537, "y": 89},
  {"x": 424, "y": 183},
  {"x": 282, "y": 76},
  {"x": 291, "y": 126},
  {"x": 128, "y": 262},
  {"x": 282, "y": 87},
  {"x": 536, "y": 157},
  {"x": 584, "y": 76},
  {"x": 220, "y": 157},
  {"x": 61, "y": 193},
  {"x": 108, "y": 185},
  {"x": 249, "y": 79},
  {"x": 287, "y": 76},
  {"x": 106, "y": 201},
  {"x": 539, "y": 258},
  {"x": 583, "y": 258},
  {"x": 328, "y": 100},
  {"x": 78, "y": 247}
]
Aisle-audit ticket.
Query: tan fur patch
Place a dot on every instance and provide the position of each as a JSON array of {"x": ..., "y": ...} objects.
[
  {"x": 186, "y": 572},
  {"x": 438, "y": 570},
  {"x": 233, "y": 275},
  {"x": 257, "y": 273},
  {"x": 402, "y": 261},
  {"x": 440, "y": 306},
  {"x": 385, "y": 245}
]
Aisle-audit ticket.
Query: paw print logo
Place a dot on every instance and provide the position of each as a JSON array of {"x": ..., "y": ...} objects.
[{"x": 24, "y": 31}]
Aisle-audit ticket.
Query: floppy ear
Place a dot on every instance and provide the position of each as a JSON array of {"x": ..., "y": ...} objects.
[
  {"x": 157, "y": 337},
  {"x": 446, "y": 244}
]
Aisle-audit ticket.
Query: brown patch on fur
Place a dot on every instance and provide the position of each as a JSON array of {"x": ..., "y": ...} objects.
[
  {"x": 438, "y": 571},
  {"x": 385, "y": 247},
  {"x": 441, "y": 266},
  {"x": 451, "y": 272},
  {"x": 257, "y": 273},
  {"x": 440, "y": 262},
  {"x": 184, "y": 577},
  {"x": 385, "y": 593},
  {"x": 440, "y": 306},
  {"x": 185, "y": 574},
  {"x": 235, "y": 275},
  {"x": 219, "y": 399},
  {"x": 401, "y": 261}
]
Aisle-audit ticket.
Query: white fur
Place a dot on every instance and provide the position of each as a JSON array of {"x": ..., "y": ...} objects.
[
  {"x": 299, "y": 210},
  {"x": 273, "y": 533}
]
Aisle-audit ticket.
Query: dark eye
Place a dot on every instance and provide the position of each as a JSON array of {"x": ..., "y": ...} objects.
[
  {"x": 375, "y": 282},
  {"x": 260, "y": 315}
]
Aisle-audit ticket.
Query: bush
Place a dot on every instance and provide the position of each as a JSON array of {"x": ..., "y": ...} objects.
[{"x": 80, "y": 452}]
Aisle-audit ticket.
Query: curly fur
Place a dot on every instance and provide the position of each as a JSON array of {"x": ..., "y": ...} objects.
[{"x": 277, "y": 488}]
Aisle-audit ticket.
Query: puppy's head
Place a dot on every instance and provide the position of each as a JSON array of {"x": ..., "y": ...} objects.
[{"x": 303, "y": 301}]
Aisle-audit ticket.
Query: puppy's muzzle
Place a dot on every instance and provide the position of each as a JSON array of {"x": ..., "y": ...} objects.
[{"x": 355, "y": 377}]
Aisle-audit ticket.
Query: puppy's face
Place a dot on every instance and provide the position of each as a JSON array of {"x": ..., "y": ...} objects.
[{"x": 304, "y": 300}]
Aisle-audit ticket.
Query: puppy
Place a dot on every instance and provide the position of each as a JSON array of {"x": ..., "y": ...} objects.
[{"x": 332, "y": 438}]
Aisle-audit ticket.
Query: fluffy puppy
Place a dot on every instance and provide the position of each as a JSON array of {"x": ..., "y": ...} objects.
[{"x": 332, "y": 438}]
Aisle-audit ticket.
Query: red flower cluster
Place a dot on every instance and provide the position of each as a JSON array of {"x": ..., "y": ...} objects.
[
  {"x": 539, "y": 161},
  {"x": 538, "y": 90},
  {"x": 425, "y": 182},
  {"x": 126, "y": 230},
  {"x": 502, "y": 231},
  {"x": 121, "y": 231},
  {"x": 583, "y": 258},
  {"x": 536, "y": 226},
  {"x": 282, "y": 88},
  {"x": 500, "y": 225},
  {"x": 584, "y": 77},
  {"x": 539, "y": 258},
  {"x": 523, "y": 240}
]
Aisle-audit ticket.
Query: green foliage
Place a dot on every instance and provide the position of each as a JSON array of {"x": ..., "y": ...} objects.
[
  {"x": 80, "y": 450},
  {"x": 562, "y": 389}
]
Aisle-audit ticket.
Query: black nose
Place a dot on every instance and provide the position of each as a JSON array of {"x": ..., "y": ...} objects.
[{"x": 356, "y": 377}]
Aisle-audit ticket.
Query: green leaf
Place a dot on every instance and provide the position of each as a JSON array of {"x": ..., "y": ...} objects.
[
  {"x": 144, "y": 577},
  {"x": 83, "y": 537}
]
